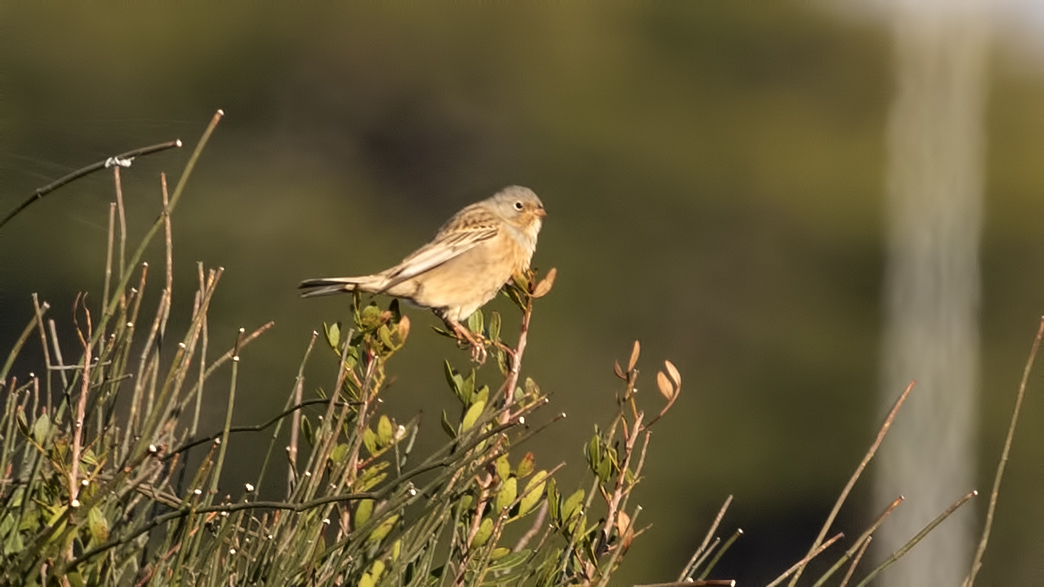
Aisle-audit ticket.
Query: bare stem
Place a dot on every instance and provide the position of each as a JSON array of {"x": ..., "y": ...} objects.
[
  {"x": 992, "y": 508},
  {"x": 129, "y": 155},
  {"x": 855, "y": 476}
]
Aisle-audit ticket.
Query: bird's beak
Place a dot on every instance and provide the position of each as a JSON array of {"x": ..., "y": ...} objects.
[{"x": 540, "y": 213}]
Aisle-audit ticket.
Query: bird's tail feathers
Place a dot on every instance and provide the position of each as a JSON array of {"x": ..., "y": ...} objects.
[{"x": 334, "y": 285}]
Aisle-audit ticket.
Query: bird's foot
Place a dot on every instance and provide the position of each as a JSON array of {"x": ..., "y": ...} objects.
[
  {"x": 464, "y": 336},
  {"x": 478, "y": 353}
]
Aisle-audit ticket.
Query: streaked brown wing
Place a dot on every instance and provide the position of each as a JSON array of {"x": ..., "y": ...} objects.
[{"x": 463, "y": 232}]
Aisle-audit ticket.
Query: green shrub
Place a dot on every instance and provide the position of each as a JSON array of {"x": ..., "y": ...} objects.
[{"x": 94, "y": 489}]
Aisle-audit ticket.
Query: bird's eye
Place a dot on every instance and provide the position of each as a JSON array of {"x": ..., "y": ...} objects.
[{"x": 518, "y": 206}]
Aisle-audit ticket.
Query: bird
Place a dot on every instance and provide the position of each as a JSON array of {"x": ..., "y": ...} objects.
[{"x": 472, "y": 256}]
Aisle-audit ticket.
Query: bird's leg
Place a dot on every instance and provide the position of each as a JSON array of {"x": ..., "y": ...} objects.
[
  {"x": 478, "y": 348},
  {"x": 510, "y": 352}
]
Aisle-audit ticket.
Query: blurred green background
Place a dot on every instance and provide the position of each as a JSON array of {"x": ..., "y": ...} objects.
[{"x": 714, "y": 177}]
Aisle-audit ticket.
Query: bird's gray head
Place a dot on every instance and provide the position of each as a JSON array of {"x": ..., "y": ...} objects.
[{"x": 520, "y": 207}]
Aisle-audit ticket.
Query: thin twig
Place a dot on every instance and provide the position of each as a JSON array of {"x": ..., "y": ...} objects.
[
  {"x": 39, "y": 310},
  {"x": 690, "y": 566},
  {"x": 721, "y": 552},
  {"x": 224, "y": 508},
  {"x": 108, "y": 251},
  {"x": 174, "y": 198},
  {"x": 81, "y": 407},
  {"x": 920, "y": 535},
  {"x": 123, "y": 218},
  {"x": 855, "y": 476},
  {"x": 228, "y": 414},
  {"x": 860, "y": 542},
  {"x": 991, "y": 509},
  {"x": 855, "y": 561},
  {"x": 618, "y": 552},
  {"x": 801, "y": 563},
  {"x": 613, "y": 503},
  {"x": 534, "y": 528},
  {"x": 128, "y": 156},
  {"x": 253, "y": 428},
  {"x": 295, "y": 421},
  {"x": 59, "y": 363},
  {"x": 697, "y": 583}
]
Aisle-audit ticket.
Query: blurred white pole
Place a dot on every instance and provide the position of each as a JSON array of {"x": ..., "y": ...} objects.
[{"x": 936, "y": 148}]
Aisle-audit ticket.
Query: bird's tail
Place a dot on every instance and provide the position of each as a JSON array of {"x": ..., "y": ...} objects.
[{"x": 333, "y": 285}]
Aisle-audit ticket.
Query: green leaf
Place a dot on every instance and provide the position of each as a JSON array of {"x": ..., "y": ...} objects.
[
  {"x": 525, "y": 466},
  {"x": 593, "y": 453},
  {"x": 41, "y": 427},
  {"x": 604, "y": 470},
  {"x": 337, "y": 454},
  {"x": 13, "y": 542},
  {"x": 484, "y": 532},
  {"x": 503, "y": 361},
  {"x": 553, "y": 500},
  {"x": 610, "y": 453},
  {"x": 531, "y": 387},
  {"x": 384, "y": 333},
  {"x": 494, "y": 326},
  {"x": 572, "y": 505},
  {"x": 456, "y": 383},
  {"x": 98, "y": 526},
  {"x": 518, "y": 290},
  {"x": 306, "y": 427},
  {"x": 385, "y": 433},
  {"x": 370, "y": 440},
  {"x": 482, "y": 395},
  {"x": 382, "y": 530},
  {"x": 371, "y": 476},
  {"x": 23, "y": 424},
  {"x": 371, "y": 315},
  {"x": 447, "y": 427},
  {"x": 89, "y": 458},
  {"x": 472, "y": 415},
  {"x": 503, "y": 467},
  {"x": 363, "y": 512},
  {"x": 377, "y": 569},
  {"x": 475, "y": 322},
  {"x": 533, "y": 493},
  {"x": 467, "y": 389},
  {"x": 521, "y": 281},
  {"x": 333, "y": 334},
  {"x": 507, "y": 494},
  {"x": 505, "y": 561}
]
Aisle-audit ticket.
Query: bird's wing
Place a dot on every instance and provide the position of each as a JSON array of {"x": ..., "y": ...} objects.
[{"x": 463, "y": 232}]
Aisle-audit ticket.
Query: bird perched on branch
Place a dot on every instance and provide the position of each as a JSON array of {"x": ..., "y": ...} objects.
[{"x": 471, "y": 257}]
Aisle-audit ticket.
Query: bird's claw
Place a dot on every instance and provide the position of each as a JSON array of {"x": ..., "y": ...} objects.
[
  {"x": 478, "y": 353},
  {"x": 477, "y": 344}
]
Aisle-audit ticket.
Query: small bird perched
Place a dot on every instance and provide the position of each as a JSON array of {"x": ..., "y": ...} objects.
[{"x": 471, "y": 257}]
